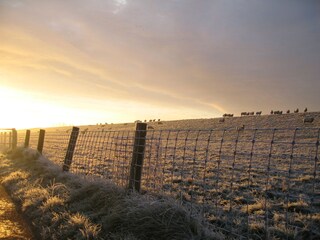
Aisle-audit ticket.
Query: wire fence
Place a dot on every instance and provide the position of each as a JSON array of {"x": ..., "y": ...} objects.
[
  {"x": 107, "y": 155},
  {"x": 56, "y": 145},
  {"x": 5, "y": 138},
  {"x": 8, "y": 138},
  {"x": 244, "y": 181},
  {"x": 249, "y": 183},
  {"x": 34, "y": 139}
]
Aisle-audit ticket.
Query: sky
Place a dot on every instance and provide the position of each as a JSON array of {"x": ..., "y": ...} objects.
[{"x": 76, "y": 62}]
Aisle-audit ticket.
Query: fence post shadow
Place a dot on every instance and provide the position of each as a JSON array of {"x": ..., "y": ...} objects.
[
  {"x": 70, "y": 150},
  {"x": 137, "y": 157}
]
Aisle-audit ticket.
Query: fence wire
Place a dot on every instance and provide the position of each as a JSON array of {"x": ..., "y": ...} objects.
[
  {"x": 246, "y": 182},
  {"x": 106, "y": 154},
  {"x": 56, "y": 145},
  {"x": 5, "y": 138},
  {"x": 34, "y": 138},
  {"x": 21, "y": 137}
]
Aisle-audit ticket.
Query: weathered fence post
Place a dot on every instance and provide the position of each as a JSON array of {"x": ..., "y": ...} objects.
[
  {"x": 14, "y": 138},
  {"x": 137, "y": 157},
  {"x": 27, "y": 139},
  {"x": 5, "y": 139},
  {"x": 70, "y": 150},
  {"x": 41, "y": 140},
  {"x": 10, "y": 140}
]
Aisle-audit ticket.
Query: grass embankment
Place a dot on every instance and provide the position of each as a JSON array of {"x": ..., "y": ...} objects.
[{"x": 64, "y": 206}]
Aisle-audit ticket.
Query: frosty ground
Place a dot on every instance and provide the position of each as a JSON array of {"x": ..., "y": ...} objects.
[{"x": 63, "y": 206}]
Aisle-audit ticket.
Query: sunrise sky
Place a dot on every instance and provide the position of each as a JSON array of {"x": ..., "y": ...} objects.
[{"x": 77, "y": 62}]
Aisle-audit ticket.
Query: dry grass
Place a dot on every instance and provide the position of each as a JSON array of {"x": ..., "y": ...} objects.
[
  {"x": 235, "y": 189},
  {"x": 63, "y": 206}
]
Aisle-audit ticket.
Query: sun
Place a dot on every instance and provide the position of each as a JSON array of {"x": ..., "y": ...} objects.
[
  {"x": 25, "y": 110},
  {"x": 21, "y": 110},
  {"x": 14, "y": 114}
]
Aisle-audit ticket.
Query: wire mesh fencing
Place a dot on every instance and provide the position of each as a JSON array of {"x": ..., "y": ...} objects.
[
  {"x": 105, "y": 154},
  {"x": 28, "y": 138},
  {"x": 56, "y": 145},
  {"x": 34, "y": 138},
  {"x": 249, "y": 183},
  {"x": 21, "y": 137},
  {"x": 246, "y": 182},
  {"x": 8, "y": 138}
]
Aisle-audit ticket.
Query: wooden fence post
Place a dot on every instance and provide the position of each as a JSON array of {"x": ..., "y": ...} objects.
[
  {"x": 10, "y": 140},
  {"x": 27, "y": 139},
  {"x": 70, "y": 150},
  {"x": 5, "y": 139},
  {"x": 14, "y": 138},
  {"x": 41, "y": 140},
  {"x": 137, "y": 157}
]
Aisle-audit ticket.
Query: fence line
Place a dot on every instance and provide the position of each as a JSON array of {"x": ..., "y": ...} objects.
[
  {"x": 246, "y": 182},
  {"x": 8, "y": 138}
]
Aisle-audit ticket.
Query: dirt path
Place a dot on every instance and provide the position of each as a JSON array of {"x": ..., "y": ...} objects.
[{"x": 12, "y": 226}]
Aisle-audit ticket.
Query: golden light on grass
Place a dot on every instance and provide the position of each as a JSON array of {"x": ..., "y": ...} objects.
[{"x": 11, "y": 225}]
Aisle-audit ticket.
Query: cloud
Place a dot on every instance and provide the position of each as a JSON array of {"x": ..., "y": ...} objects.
[{"x": 210, "y": 55}]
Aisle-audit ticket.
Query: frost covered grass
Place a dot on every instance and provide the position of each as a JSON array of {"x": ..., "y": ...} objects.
[{"x": 60, "y": 205}]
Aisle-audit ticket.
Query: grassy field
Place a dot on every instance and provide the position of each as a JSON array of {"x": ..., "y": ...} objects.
[
  {"x": 246, "y": 178},
  {"x": 60, "y": 205}
]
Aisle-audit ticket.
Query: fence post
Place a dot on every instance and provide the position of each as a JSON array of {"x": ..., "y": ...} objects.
[
  {"x": 10, "y": 140},
  {"x": 5, "y": 139},
  {"x": 14, "y": 138},
  {"x": 41, "y": 140},
  {"x": 27, "y": 139},
  {"x": 70, "y": 150},
  {"x": 137, "y": 157}
]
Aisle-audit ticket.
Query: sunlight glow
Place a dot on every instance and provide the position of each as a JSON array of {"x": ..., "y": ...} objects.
[{"x": 21, "y": 110}]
